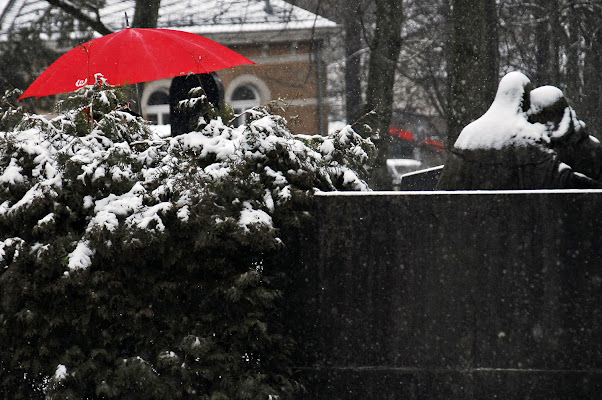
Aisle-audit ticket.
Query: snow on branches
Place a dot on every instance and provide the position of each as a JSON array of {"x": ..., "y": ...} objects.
[
  {"x": 129, "y": 244},
  {"x": 100, "y": 165}
]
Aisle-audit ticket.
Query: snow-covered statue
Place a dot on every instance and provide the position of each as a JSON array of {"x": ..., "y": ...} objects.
[
  {"x": 568, "y": 135},
  {"x": 526, "y": 140}
]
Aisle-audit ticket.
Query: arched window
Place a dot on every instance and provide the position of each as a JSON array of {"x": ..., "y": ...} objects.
[
  {"x": 244, "y": 97},
  {"x": 244, "y": 92},
  {"x": 157, "y": 107}
]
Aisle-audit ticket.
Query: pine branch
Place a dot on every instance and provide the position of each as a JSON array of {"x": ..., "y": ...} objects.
[{"x": 77, "y": 13}]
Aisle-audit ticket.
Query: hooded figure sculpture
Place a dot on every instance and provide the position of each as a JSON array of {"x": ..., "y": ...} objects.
[
  {"x": 568, "y": 135},
  {"x": 503, "y": 150}
]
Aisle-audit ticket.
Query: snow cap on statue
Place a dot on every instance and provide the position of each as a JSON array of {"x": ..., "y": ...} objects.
[
  {"x": 551, "y": 108},
  {"x": 505, "y": 123}
]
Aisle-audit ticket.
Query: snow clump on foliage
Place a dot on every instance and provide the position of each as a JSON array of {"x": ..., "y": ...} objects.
[{"x": 117, "y": 175}]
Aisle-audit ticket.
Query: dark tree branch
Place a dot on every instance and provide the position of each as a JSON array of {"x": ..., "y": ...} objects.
[{"x": 74, "y": 11}]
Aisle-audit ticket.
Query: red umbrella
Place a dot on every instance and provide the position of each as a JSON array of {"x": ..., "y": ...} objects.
[{"x": 132, "y": 56}]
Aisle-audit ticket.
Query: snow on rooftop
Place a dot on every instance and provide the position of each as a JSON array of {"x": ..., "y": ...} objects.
[{"x": 197, "y": 16}]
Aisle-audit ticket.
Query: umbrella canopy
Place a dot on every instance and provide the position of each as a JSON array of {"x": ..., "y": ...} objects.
[{"x": 131, "y": 56}]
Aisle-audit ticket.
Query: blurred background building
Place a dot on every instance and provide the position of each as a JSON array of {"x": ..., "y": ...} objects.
[{"x": 285, "y": 41}]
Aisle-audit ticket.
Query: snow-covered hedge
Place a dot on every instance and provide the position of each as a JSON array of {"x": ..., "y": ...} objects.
[{"x": 134, "y": 266}]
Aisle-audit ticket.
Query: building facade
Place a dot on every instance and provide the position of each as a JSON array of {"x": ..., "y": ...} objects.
[{"x": 286, "y": 43}]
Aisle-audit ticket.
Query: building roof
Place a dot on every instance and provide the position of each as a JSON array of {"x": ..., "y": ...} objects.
[{"x": 228, "y": 20}]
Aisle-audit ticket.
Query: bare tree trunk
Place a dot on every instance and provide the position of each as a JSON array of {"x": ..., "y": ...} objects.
[
  {"x": 572, "y": 66},
  {"x": 491, "y": 61},
  {"x": 549, "y": 36},
  {"x": 556, "y": 30},
  {"x": 542, "y": 46},
  {"x": 353, "y": 45},
  {"x": 473, "y": 66},
  {"x": 384, "y": 53},
  {"x": 146, "y": 13},
  {"x": 592, "y": 81}
]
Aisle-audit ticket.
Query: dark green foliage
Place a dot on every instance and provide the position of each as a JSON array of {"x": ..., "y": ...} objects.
[{"x": 133, "y": 267}]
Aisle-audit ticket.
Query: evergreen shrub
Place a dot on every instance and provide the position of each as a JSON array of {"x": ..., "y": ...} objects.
[{"x": 139, "y": 267}]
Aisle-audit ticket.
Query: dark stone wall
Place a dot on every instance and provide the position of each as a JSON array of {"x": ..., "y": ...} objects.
[{"x": 447, "y": 295}]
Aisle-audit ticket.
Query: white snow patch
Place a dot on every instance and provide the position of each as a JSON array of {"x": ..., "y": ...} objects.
[
  {"x": 88, "y": 202},
  {"x": 60, "y": 373},
  {"x": 108, "y": 208},
  {"x": 327, "y": 147},
  {"x": 269, "y": 201},
  {"x": 119, "y": 205},
  {"x": 104, "y": 99},
  {"x": 98, "y": 173},
  {"x": 34, "y": 193},
  {"x": 12, "y": 173},
  {"x": 168, "y": 355},
  {"x": 349, "y": 177},
  {"x": 543, "y": 97},
  {"x": 46, "y": 220},
  {"x": 183, "y": 213},
  {"x": 217, "y": 171},
  {"x": 39, "y": 248},
  {"x": 279, "y": 179},
  {"x": 4, "y": 207},
  {"x": 284, "y": 194},
  {"x": 80, "y": 258},
  {"x": 251, "y": 216},
  {"x": 218, "y": 145},
  {"x": 104, "y": 219},
  {"x": 565, "y": 124},
  {"x": 265, "y": 123},
  {"x": 10, "y": 242},
  {"x": 143, "y": 219}
]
